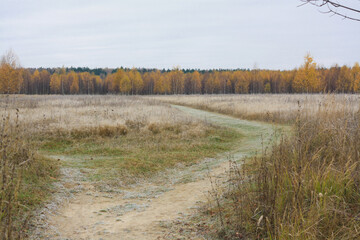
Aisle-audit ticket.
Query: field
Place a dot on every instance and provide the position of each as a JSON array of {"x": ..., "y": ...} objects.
[
  {"x": 138, "y": 167},
  {"x": 278, "y": 108},
  {"x": 107, "y": 141}
]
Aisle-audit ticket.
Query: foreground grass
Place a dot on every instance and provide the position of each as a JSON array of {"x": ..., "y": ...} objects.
[
  {"x": 305, "y": 187},
  {"x": 25, "y": 179},
  {"x": 141, "y": 152}
]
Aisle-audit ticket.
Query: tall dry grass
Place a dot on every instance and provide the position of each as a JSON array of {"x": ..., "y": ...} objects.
[
  {"x": 14, "y": 156},
  {"x": 305, "y": 187},
  {"x": 24, "y": 177},
  {"x": 279, "y": 108},
  {"x": 43, "y": 114}
]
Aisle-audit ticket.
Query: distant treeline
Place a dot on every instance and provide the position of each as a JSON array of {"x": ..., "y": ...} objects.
[{"x": 307, "y": 79}]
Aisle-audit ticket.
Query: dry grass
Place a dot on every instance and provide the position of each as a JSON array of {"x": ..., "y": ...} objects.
[
  {"x": 305, "y": 187},
  {"x": 24, "y": 177},
  {"x": 279, "y": 108},
  {"x": 50, "y": 113},
  {"x": 112, "y": 140}
]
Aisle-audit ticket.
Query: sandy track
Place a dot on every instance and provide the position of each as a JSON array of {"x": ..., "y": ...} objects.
[{"x": 137, "y": 214}]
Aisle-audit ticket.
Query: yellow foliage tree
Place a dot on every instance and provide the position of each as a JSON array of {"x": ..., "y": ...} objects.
[
  {"x": 36, "y": 81},
  {"x": 162, "y": 85},
  {"x": 356, "y": 77},
  {"x": 242, "y": 81},
  {"x": 120, "y": 73},
  {"x": 55, "y": 83},
  {"x": 74, "y": 88},
  {"x": 88, "y": 84},
  {"x": 125, "y": 84},
  {"x": 10, "y": 74},
  {"x": 176, "y": 78},
  {"x": 212, "y": 84},
  {"x": 136, "y": 80},
  {"x": 307, "y": 78},
  {"x": 196, "y": 82}
]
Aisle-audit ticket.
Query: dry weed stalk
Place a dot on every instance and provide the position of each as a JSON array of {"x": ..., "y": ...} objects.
[{"x": 15, "y": 155}]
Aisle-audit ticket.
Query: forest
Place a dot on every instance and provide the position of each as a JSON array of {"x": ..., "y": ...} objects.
[{"x": 308, "y": 78}]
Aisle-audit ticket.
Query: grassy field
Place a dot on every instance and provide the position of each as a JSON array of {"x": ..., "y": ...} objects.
[
  {"x": 278, "y": 108},
  {"x": 111, "y": 140},
  {"x": 305, "y": 186}
]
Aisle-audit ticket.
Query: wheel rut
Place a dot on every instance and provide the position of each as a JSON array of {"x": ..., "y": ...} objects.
[{"x": 139, "y": 211}]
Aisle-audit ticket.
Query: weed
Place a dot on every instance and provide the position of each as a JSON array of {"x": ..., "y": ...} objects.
[{"x": 24, "y": 178}]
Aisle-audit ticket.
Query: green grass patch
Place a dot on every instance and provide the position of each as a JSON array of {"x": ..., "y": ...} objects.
[
  {"x": 140, "y": 152},
  {"x": 36, "y": 181}
]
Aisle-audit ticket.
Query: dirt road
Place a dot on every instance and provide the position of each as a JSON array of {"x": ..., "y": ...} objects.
[{"x": 140, "y": 211}]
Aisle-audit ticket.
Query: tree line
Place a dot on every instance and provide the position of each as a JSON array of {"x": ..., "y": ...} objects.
[{"x": 306, "y": 79}]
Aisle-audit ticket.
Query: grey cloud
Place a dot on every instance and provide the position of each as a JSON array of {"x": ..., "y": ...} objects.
[{"x": 165, "y": 33}]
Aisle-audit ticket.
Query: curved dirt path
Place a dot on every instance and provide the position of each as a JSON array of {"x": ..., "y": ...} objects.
[{"x": 140, "y": 211}]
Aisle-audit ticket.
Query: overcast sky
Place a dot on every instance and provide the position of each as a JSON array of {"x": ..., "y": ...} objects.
[{"x": 201, "y": 34}]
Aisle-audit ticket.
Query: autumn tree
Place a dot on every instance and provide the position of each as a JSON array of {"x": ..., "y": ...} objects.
[
  {"x": 162, "y": 85},
  {"x": 195, "y": 82},
  {"x": 212, "y": 83},
  {"x": 10, "y": 73},
  {"x": 74, "y": 79},
  {"x": 224, "y": 78},
  {"x": 242, "y": 81},
  {"x": 125, "y": 84},
  {"x": 55, "y": 83},
  {"x": 97, "y": 83},
  {"x": 88, "y": 86},
  {"x": 286, "y": 82},
  {"x": 355, "y": 71},
  {"x": 109, "y": 83},
  {"x": 176, "y": 77},
  {"x": 120, "y": 74},
  {"x": 150, "y": 79},
  {"x": 35, "y": 81},
  {"x": 307, "y": 78},
  {"x": 136, "y": 81}
]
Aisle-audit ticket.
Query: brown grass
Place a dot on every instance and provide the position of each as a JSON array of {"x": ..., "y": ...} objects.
[
  {"x": 24, "y": 178},
  {"x": 48, "y": 113},
  {"x": 279, "y": 108},
  {"x": 305, "y": 187}
]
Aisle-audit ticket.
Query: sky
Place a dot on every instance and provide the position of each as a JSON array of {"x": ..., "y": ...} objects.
[{"x": 201, "y": 34}]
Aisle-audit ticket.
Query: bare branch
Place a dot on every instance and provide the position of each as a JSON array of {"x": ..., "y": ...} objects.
[{"x": 344, "y": 10}]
